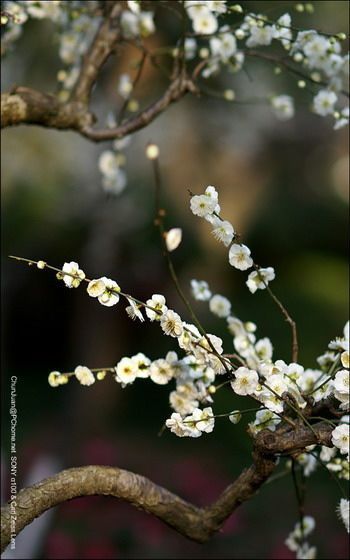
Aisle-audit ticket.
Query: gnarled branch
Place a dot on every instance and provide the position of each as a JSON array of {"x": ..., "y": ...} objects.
[
  {"x": 198, "y": 524},
  {"x": 193, "y": 522}
]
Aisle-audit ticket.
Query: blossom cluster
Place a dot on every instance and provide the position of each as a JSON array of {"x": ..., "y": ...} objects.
[
  {"x": 207, "y": 206},
  {"x": 296, "y": 540},
  {"x": 210, "y": 39},
  {"x": 266, "y": 381},
  {"x": 316, "y": 55},
  {"x": 281, "y": 390}
]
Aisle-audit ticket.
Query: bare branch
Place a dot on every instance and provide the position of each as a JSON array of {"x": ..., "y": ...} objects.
[
  {"x": 192, "y": 522},
  {"x": 28, "y": 106}
]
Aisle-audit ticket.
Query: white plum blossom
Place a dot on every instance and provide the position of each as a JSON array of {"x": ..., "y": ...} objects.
[
  {"x": 343, "y": 119},
  {"x": 161, "y": 372},
  {"x": 173, "y": 238},
  {"x": 178, "y": 427},
  {"x": 126, "y": 371},
  {"x": 324, "y": 101},
  {"x": 308, "y": 462},
  {"x": 136, "y": 23},
  {"x": 114, "y": 184},
  {"x": 146, "y": 24},
  {"x": 204, "y": 419},
  {"x": 283, "y": 107},
  {"x": 202, "y": 205},
  {"x": 200, "y": 290},
  {"x": 220, "y": 306},
  {"x": 264, "y": 420},
  {"x": 264, "y": 348},
  {"x": 260, "y": 36},
  {"x": 345, "y": 358},
  {"x": 205, "y": 23},
  {"x": 182, "y": 400},
  {"x": 142, "y": 365},
  {"x": 306, "y": 552},
  {"x": 171, "y": 323},
  {"x": 196, "y": 7},
  {"x": 246, "y": 381},
  {"x": 125, "y": 86},
  {"x": 84, "y": 375},
  {"x": 96, "y": 287},
  {"x": 189, "y": 335},
  {"x": 343, "y": 511},
  {"x": 108, "y": 163},
  {"x": 282, "y": 30},
  {"x": 133, "y": 310},
  {"x": 341, "y": 381},
  {"x": 222, "y": 230},
  {"x": 157, "y": 302},
  {"x": 110, "y": 295},
  {"x": 190, "y": 48},
  {"x": 223, "y": 46},
  {"x": 75, "y": 275},
  {"x": 239, "y": 256},
  {"x": 257, "y": 280},
  {"x": 340, "y": 438},
  {"x": 134, "y": 6}
]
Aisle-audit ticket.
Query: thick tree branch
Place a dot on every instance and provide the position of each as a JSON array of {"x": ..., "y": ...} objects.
[
  {"x": 28, "y": 106},
  {"x": 102, "y": 46},
  {"x": 198, "y": 524},
  {"x": 193, "y": 522}
]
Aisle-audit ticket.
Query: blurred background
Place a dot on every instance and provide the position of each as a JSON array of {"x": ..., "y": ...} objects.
[{"x": 283, "y": 185}]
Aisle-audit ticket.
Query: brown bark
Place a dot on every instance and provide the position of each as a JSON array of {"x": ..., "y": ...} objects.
[{"x": 198, "y": 524}]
